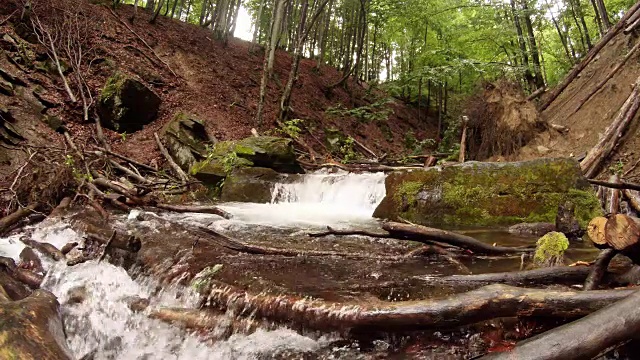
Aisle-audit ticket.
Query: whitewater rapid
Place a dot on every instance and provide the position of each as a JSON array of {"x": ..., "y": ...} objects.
[{"x": 103, "y": 323}]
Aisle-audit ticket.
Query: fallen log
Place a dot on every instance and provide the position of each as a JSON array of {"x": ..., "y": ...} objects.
[
  {"x": 203, "y": 209},
  {"x": 633, "y": 198},
  {"x": 599, "y": 268},
  {"x": 617, "y": 185},
  {"x": 62, "y": 207},
  {"x": 28, "y": 277},
  {"x": 591, "y": 164},
  {"x": 332, "y": 231},
  {"x": 486, "y": 303},
  {"x": 14, "y": 217},
  {"x": 426, "y": 234},
  {"x": 585, "y": 338},
  {"x": 567, "y": 275}
]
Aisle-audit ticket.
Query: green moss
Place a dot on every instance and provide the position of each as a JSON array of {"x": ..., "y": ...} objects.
[
  {"x": 112, "y": 87},
  {"x": 408, "y": 191},
  {"x": 550, "y": 249}
]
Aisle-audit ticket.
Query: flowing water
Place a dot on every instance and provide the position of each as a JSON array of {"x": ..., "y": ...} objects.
[{"x": 104, "y": 325}]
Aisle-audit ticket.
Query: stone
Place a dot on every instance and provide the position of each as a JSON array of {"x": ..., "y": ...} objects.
[
  {"x": 127, "y": 105},
  {"x": 186, "y": 140},
  {"x": 550, "y": 250},
  {"x": 6, "y": 88},
  {"x": 31, "y": 328},
  {"x": 566, "y": 221},
  {"x": 543, "y": 150},
  {"x": 488, "y": 194},
  {"x": 263, "y": 151},
  {"x": 11, "y": 78},
  {"x": 250, "y": 185},
  {"x": 534, "y": 229}
]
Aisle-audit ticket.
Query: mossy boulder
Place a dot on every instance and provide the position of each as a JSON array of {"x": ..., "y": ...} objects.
[
  {"x": 250, "y": 185},
  {"x": 489, "y": 194},
  {"x": 31, "y": 328},
  {"x": 263, "y": 151},
  {"x": 126, "y": 105},
  {"x": 550, "y": 250},
  {"x": 186, "y": 139}
]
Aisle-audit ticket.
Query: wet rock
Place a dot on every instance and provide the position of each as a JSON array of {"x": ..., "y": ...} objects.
[
  {"x": 488, "y": 193},
  {"x": 566, "y": 221},
  {"x": 76, "y": 295},
  {"x": 30, "y": 260},
  {"x": 250, "y": 185},
  {"x": 186, "y": 140},
  {"x": 31, "y": 328},
  {"x": 537, "y": 229},
  {"x": 6, "y": 88},
  {"x": 13, "y": 288},
  {"x": 11, "y": 78},
  {"x": 262, "y": 151},
  {"x": 137, "y": 304},
  {"x": 54, "y": 123},
  {"x": 126, "y": 105}
]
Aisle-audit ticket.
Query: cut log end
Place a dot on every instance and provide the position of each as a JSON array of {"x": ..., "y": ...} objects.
[
  {"x": 622, "y": 232},
  {"x": 596, "y": 231}
]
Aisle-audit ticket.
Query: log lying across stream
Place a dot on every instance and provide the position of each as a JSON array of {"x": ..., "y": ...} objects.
[
  {"x": 486, "y": 303},
  {"x": 585, "y": 338}
]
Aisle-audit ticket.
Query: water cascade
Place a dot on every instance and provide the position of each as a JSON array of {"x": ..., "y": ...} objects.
[{"x": 317, "y": 199}]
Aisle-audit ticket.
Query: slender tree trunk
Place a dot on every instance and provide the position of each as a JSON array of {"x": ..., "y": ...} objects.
[
  {"x": 265, "y": 67},
  {"x": 135, "y": 11},
  {"x": 173, "y": 9},
  {"x": 585, "y": 29},
  {"x": 521, "y": 42},
  {"x": 537, "y": 69},
  {"x": 602, "y": 11},
  {"x": 151, "y": 5},
  {"x": 234, "y": 18},
  {"x": 258, "y": 22},
  {"x": 563, "y": 40},
  {"x": 203, "y": 12},
  {"x": 275, "y": 34},
  {"x": 155, "y": 15}
]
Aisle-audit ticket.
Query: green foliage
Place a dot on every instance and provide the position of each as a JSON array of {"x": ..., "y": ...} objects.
[
  {"x": 376, "y": 112},
  {"x": 346, "y": 150},
  {"x": 617, "y": 168},
  {"x": 415, "y": 146},
  {"x": 550, "y": 249},
  {"x": 291, "y": 128},
  {"x": 202, "y": 280}
]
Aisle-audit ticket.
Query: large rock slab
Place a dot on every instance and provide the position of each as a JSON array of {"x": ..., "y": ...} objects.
[
  {"x": 250, "y": 185},
  {"x": 262, "y": 151},
  {"x": 186, "y": 140},
  {"x": 31, "y": 328},
  {"x": 484, "y": 194},
  {"x": 126, "y": 105}
]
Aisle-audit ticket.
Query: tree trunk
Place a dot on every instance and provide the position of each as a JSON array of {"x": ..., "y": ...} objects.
[
  {"x": 258, "y": 22},
  {"x": 278, "y": 15},
  {"x": 604, "y": 16},
  {"x": 537, "y": 69}
]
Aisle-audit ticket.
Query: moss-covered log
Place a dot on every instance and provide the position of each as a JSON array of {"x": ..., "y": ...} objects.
[{"x": 488, "y": 193}]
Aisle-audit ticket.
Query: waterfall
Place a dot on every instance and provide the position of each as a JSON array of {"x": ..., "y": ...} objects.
[{"x": 317, "y": 199}]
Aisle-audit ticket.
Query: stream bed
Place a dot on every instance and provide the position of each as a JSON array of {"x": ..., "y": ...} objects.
[{"x": 96, "y": 297}]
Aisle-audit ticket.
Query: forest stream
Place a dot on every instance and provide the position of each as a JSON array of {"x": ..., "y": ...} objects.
[{"x": 96, "y": 296}]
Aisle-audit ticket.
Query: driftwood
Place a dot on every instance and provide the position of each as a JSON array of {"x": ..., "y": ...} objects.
[
  {"x": 567, "y": 275},
  {"x": 585, "y": 338},
  {"x": 7, "y": 221},
  {"x": 599, "y": 268},
  {"x": 68, "y": 247},
  {"x": 589, "y": 57},
  {"x": 486, "y": 303},
  {"x": 426, "y": 234},
  {"x": 439, "y": 251},
  {"x": 176, "y": 168},
  {"x": 203, "y": 209},
  {"x": 601, "y": 151},
  {"x": 332, "y": 231},
  {"x": 536, "y": 94},
  {"x": 129, "y": 160},
  {"x": 62, "y": 207}
]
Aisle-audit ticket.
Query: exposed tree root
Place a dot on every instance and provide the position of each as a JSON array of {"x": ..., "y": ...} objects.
[
  {"x": 203, "y": 209},
  {"x": 7, "y": 221},
  {"x": 599, "y": 268}
]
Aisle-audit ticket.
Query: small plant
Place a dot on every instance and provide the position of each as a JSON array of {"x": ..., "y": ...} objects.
[
  {"x": 617, "y": 168},
  {"x": 202, "y": 280},
  {"x": 291, "y": 128},
  {"x": 123, "y": 136},
  {"x": 415, "y": 146},
  {"x": 376, "y": 112},
  {"x": 229, "y": 162},
  {"x": 347, "y": 151}
]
